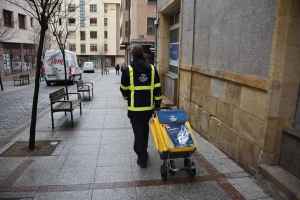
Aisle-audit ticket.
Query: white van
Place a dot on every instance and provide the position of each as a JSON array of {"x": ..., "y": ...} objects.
[
  {"x": 88, "y": 67},
  {"x": 53, "y": 67}
]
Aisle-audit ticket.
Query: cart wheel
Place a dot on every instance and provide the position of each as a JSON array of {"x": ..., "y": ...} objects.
[
  {"x": 164, "y": 172},
  {"x": 192, "y": 172},
  {"x": 187, "y": 162},
  {"x": 192, "y": 169},
  {"x": 172, "y": 166}
]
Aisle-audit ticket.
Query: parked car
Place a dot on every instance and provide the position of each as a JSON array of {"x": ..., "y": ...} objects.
[
  {"x": 53, "y": 67},
  {"x": 88, "y": 67}
]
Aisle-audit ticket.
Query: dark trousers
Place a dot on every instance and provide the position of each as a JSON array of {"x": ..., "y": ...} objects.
[{"x": 140, "y": 126}]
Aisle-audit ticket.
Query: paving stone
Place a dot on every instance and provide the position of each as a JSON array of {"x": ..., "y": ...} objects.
[
  {"x": 17, "y": 196},
  {"x": 115, "y": 194},
  {"x": 206, "y": 190},
  {"x": 157, "y": 192},
  {"x": 248, "y": 188},
  {"x": 8, "y": 165},
  {"x": 82, "y": 195},
  {"x": 41, "y": 172},
  {"x": 106, "y": 160},
  {"x": 225, "y": 165},
  {"x": 113, "y": 174}
]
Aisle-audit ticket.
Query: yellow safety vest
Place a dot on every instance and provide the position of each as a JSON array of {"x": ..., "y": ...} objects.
[{"x": 132, "y": 88}]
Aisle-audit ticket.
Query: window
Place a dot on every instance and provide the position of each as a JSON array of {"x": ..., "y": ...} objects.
[
  {"x": 82, "y": 13},
  {"x": 105, "y": 47},
  {"x": 82, "y": 48},
  {"x": 72, "y": 21},
  {"x": 22, "y": 21},
  {"x": 71, "y": 7},
  {"x": 93, "y": 47},
  {"x": 72, "y": 47},
  {"x": 93, "y": 21},
  {"x": 174, "y": 19},
  {"x": 72, "y": 34},
  {"x": 8, "y": 18},
  {"x": 174, "y": 43},
  {"x": 105, "y": 34},
  {"x": 127, "y": 29},
  {"x": 105, "y": 21},
  {"x": 59, "y": 21},
  {"x": 93, "y": 8},
  {"x": 93, "y": 34},
  {"x": 174, "y": 35},
  {"x": 31, "y": 22},
  {"x": 82, "y": 35},
  {"x": 128, "y": 2},
  {"x": 150, "y": 26},
  {"x": 105, "y": 8}
]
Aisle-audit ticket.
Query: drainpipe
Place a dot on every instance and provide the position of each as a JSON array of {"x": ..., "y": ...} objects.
[{"x": 129, "y": 23}]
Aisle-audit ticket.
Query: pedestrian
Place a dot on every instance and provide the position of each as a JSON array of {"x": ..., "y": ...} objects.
[
  {"x": 140, "y": 86},
  {"x": 106, "y": 70},
  {"x": 42, "y": 73},
  {"x": 117, "y": 69},
  {"x": 123, "y": 67}
]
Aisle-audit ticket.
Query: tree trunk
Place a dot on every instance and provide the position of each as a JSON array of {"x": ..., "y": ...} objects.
[
  {"x": 1, "y": 83},
  {"x": 65, "y": 68},
  {"x": 36, "y": 88}
]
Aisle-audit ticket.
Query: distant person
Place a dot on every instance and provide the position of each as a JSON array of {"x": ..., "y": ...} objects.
[
  {"x": 106, "y": 70},
  {"x": 123, "y": 67},
  {"x": 117, "y": 69}
]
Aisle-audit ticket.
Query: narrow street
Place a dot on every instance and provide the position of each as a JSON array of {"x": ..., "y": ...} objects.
[
  {"x": 94, "y": 160},
  {"x": 16, "y": 105}
]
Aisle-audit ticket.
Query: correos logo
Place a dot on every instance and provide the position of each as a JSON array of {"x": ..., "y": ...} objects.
[{"x": 173, "y": 118}]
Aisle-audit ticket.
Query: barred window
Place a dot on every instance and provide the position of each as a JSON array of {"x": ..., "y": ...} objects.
[
  {"x": 82, "y": 48},
  {"x": 72, "y": 21},
  {"x": 82, "y": 35},
  {"x": 71, "y": 7},
  {"x": 93, "y": 8},
  {"x": 150, "y": 25},
  {"x": 72, "y": 47},
  {"x": 93, "y": 34},
  {"x": 93, "y": 21},
  {"x": 93, "y": 47},
  {"x": 22, "y": 21}
]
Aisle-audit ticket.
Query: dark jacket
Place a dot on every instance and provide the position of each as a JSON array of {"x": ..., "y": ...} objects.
[{"x": 142, "y": 77}]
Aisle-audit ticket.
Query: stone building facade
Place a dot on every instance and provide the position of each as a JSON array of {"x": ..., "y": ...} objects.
[
  {"x": 238, "y": 74},
  {"x": 138, "y": 26},
  {"x": 18, "y": 37},
  {"x": 93, "y": 28}
]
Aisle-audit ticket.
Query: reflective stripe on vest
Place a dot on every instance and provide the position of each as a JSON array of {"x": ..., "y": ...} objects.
[{"x": 133, "y": 88}]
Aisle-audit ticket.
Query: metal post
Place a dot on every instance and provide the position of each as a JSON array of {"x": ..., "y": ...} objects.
[{"x": 1, "y": 84}]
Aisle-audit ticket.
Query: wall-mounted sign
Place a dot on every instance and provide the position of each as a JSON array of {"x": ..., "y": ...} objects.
[{"x": 174, "y": 54}]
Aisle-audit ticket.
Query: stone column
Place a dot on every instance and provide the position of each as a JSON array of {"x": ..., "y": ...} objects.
[{"x": 284, "y": 76}]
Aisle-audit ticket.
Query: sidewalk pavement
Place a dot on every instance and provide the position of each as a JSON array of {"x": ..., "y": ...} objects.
[{"x": 95, "y": 160}]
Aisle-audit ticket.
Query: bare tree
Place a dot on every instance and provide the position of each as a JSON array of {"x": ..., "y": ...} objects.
[
  {"x": 60, "y": 31},
  {"x": 42, "y": 11}
]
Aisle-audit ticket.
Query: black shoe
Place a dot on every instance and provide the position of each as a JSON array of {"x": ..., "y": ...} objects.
[{"x": 142, "y": 163}]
